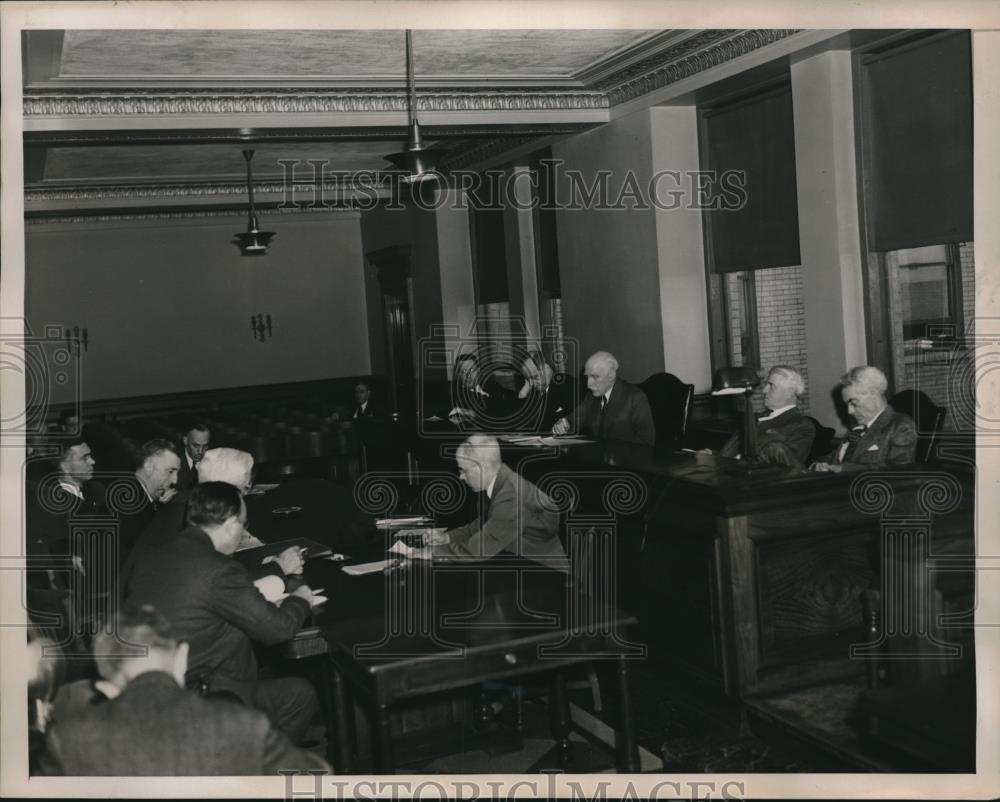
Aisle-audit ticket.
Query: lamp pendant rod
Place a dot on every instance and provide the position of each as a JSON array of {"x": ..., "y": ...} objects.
[
  {"x": 410, "y": 80},
  {"x": 248, "y": 155}
]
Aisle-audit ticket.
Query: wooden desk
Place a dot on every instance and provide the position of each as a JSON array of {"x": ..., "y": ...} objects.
[
  {"x": 432, "y": 627},
  {"x": 428, "y": 628}
]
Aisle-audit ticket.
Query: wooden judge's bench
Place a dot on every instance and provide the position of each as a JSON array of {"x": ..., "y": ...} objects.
[{"x": 803, "y": 595}]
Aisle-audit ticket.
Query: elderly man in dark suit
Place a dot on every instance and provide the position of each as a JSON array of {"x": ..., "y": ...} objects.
[
  {"x": 195, "y": 444},
  {"x": 784, "y": 435},
  {"x": 215, "y": 607},
  {"x": 615, "y": 410},
  {"x": 520, "y": 519},
  {"x": 881, "y": 435},
  {"x": 143, "y": 722}
]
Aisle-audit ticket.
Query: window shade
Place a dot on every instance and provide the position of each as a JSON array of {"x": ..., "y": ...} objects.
[
  {"x": 755, "y": 137},
  {"x": 917, "y": 129}
]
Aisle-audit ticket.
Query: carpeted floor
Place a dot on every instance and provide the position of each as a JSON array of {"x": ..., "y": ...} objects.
[{"x": 680, "y": 728}]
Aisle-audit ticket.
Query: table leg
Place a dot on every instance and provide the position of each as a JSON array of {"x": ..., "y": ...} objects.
[
  {"x": 384, "y": 763},
  {"x": 559, "y": 718},
  {"x": 343, "y": 761},
  {"x": 628, "y": 749}
]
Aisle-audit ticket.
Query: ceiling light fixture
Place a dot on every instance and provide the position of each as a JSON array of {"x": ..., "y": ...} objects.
[
  {"x": 253, "y": 241},
  {"x": 419, "y": 162}
]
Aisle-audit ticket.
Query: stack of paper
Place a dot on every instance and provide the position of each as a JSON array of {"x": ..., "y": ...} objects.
[
  {"x": 368, "y": 568},
  {"x": 398, "y": 521},
  {"x": 256, "y": 490}
]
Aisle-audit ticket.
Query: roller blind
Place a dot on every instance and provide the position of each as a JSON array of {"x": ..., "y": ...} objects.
[
  {"x": 753, "y": 141},
  {"x": 917, "y": 142}
]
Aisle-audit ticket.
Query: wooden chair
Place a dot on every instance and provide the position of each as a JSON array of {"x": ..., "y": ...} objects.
[
  {"x": 822, "y": 442},
  {"x": 927, "y": 416},
  {"x": 670, "y": 402}
]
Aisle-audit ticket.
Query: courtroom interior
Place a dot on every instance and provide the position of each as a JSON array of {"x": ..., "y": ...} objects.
[{"x": 499, "y": 401}]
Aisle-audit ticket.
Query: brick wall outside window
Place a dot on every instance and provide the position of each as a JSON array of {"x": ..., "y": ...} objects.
[{"x": 781, "y": 327}]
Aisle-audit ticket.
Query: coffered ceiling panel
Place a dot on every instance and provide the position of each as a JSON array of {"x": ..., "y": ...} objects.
[{"x": 340, "y": 55}]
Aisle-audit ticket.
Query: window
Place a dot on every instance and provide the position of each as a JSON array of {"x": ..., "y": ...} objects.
[{"x": 930, "y": 306}]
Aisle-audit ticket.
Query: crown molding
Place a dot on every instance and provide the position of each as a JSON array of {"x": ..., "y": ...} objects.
[
  {"x": 693, "y": 56},
  {"x": 128, "y": 216},
  {"x": 659, "y": 61},
  {"x": 131, "y": 102}
]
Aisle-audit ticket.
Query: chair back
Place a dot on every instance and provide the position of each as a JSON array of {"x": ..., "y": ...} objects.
[
  {"x": 927, "y": 416},
  {"x": 822, "y": 442},
  {"x": 670, "y": 402}
]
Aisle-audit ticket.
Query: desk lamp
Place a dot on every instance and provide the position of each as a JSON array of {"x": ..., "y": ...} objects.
[{"x": 740, "y": 381}]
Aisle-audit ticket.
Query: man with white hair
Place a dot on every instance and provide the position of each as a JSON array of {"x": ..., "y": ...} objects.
[
  {"x": 881, "y": 435},
  {"x": 615, "y": 410},
  {"x": 229, "y": 465},
  {"x": 520, "y": 519},
  {"x": 784, "y": 435}
]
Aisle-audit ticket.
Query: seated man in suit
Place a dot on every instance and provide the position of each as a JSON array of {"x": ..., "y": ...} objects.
[
  {"x": 69, "y": 421},
  {"x": 485, "y": 401},
  {"x": 144, "y": 723},
  {"x": 135, "y": 499},
  {"x": 881, "y": 435},
  {"x": 364, "y": 408},
  {"x": 214, "y": 606},
  {"x": 66, "y": 491},
  {"x": 196, "y": 442},
  {"x": 217, "y": 465},
  {"x": 545, "y": 397},
  {"x": 615, "y": 410},
  {"x": 520, "y": 518},
  {"x": 784, "y": 435}
]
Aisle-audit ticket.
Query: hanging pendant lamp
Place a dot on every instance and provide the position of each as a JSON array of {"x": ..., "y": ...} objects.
[
  {"x": 417, "y": 161},
  {"x": 253, "y": 241}
]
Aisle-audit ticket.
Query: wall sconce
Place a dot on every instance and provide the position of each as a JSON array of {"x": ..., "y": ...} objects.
[
  {"x": 261, "y": 327},
  {"x": 76, "y": 338}
]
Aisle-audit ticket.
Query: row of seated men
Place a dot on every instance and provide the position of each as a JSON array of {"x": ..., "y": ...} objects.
[
  {"x": 184, "y": 595},
  {"x": 614, "y": 409}
]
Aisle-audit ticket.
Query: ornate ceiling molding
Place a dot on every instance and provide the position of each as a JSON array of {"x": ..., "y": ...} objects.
[
  {"x": 682, "y": 59},
  {"x": 199, "y": 101},
  {"x": 120, "y": 216},
  {"x": 159, "y": 191},
  {"x": 691, "y": 57}
]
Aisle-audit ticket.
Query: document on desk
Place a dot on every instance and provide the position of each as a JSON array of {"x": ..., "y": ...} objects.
[
  {"x": 368, "y": 568},
  {"x": 401, "y": 521},
  {"x": 259, "y": 489}
]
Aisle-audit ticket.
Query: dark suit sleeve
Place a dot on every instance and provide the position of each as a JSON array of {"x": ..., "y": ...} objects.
[
  {"x": 800, "y": 439},
  {"x": 642, "y": 419},
  {"x": 902, "y": 442},
  {"x": 481, "y": 542},
  {"x": 237, "y": 600}
]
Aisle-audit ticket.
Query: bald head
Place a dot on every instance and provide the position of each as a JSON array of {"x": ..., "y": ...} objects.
[
  {"x": 601, "y": 370},
  {"x": 478, "y": 461}
]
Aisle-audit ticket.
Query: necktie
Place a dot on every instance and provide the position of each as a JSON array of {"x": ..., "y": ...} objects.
[
  {"x": 600, "y": 417},
  {"x": 853, "y": 438}
]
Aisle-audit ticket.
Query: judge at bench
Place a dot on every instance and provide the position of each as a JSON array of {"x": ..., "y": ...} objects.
[
  {"x": 615, "y": 410},
  {"x": 784, "y": 434},
  {"x": 881, "y": 435}
]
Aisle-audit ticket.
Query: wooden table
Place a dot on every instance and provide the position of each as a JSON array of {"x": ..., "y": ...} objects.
[{"x": 427, "y": 628}]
